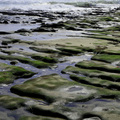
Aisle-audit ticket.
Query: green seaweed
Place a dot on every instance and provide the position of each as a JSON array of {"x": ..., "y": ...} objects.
[
  {"x": 98, "y": 65},
  {"x": 92, "y": 73},
  {"x": 106, "y": 58},
  {"x": 36, "y": 63},
  {"x": 11, "y": 102},
  {"x": 9, "y": 73}
]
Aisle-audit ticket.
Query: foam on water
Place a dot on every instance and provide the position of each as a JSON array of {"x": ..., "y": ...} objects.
[{"x": 42, "y": 4}]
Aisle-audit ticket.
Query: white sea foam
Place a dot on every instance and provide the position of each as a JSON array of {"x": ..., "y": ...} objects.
[{"x": 43, "y": 4}]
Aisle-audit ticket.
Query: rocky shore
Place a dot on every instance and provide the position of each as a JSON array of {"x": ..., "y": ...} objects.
[{"x": 60, "y": 65}]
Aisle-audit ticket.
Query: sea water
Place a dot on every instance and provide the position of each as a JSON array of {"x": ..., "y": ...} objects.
[{"x": 54, "y": 5}]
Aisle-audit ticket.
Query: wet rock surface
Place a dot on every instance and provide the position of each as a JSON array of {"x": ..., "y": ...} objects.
[{"x": 73, "y": 76}]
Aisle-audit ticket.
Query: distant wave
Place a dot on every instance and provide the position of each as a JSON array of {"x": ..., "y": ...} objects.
[
  {"x": 41, "y": 1},
  {"x": 54, "y": 5},
  {"x": 18, "y": 1}
]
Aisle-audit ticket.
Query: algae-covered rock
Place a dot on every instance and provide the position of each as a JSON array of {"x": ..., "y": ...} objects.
[
  {"x": 70, "y": 50},
  {"x": 98, "y": 65},
  {"x": 56, "y": 91},
  {"x": 11, "y": 102},
  {"x": 48, "y": 110},
  {"x": 9, "y": 73},
  {"x": 106, "y": 58},
  {"x": 93, "y": 73},
  {"x": 102, "y": 83},
  {"x": 52, "y": 88},
  {"x": 105, "y": 37},
  {"x": 45, "y": 59},
  {"x": 5, "y": 42},
  {"x": 39, "y": 118},
  {"x": 36, "y": 63},
  {"x": 46, "y": 50}
]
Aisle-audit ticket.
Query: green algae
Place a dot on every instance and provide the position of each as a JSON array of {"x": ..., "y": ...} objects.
[
  {"x": 70, "y": 50},
  {"x": 50, "y": 88},
  {"x": 106, "y": 18},
  {"x": 97, "y": 82},
  {"x": 104, "y": 90},
  {"x": 11, "y": 41},
  {"x": 93, "y": 73},
  {"x": 114, "y": 28},
  {"x": 36, "y": 63},
  {"x": 9, "y": 73},
  {"x": 46, "y": 50},
  {"x": 106, "y": 58},
  {"x": 98, "y": 65},
  {"x": 45, "y": 59},
  {"x": 104, "y": 37},
  {"x": 11, "y": 102}
]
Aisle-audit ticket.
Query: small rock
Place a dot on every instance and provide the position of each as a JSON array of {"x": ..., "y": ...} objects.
[
  {"x": 15, "y": 22},
  {"x": 22, "y": 30},
  {"x": 3, "y": 32},
  {"x": 21, "y": 49},
  {"x": 5, "y": 22},
  {"x": 13, "y": 62}
]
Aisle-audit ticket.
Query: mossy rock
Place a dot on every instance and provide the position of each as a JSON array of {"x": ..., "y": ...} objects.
[
  {"x": 106, "y": 18},
  {"x": 114, "y": 28},
  {"x": 93, "y": 73},
  {"x": 39, "y": 118},
  {"x": 51, "y": 88},
  {"x": 104, "y": 88},
  {"x": 45, "y": 50},
  {"x": 89, "y": 21},
  {"x": 104, "y": 37},
  {"x": 70, "y": 50},
  {"x": 49, "y": 110},
  {"x": 98, "y": 65},
  {"x": 11, "y": 102},
  {"x": 45, "y": 59},
  {"x": 106, "y": 58},
  {"x": 5, "y": 42},
  {"x": 102, "y": 83},
  {"x": 9, "y": 73},
  {"x": 36, "y": 63}
]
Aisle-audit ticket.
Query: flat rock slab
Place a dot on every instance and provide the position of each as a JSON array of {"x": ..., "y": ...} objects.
[{"x": 52, "y": 88}]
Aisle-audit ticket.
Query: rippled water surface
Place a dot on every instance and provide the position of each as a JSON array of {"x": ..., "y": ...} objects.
[{"x": 44, "y": 4}]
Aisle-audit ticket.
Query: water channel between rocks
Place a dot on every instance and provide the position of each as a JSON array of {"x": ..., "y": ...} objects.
[
  {"x": 5, "y": 89},
  {"x": 57, "y": 68},
  {"x": 69, "y": 61}
]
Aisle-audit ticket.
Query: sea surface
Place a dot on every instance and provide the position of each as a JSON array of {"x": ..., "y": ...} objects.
[{"x": 53, "y": 5}]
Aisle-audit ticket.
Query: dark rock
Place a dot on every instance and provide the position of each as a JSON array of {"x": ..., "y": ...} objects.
[
  {"x": 21, "y": 49},
  {"x": 15, "y": 22},
  {"x": 38, "y": 20},
  {"x": 5, "y": 22},
  {"x": 22, "y": 30},
  {"x": 3, "y": 33},
  {"x": 54, "y": 25},
  {"x": 41, "y": 29},
  {"x": 13, "y": 62},
  {"x": 4, "y": 43},
  {"x": 5, "y": 46}
]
